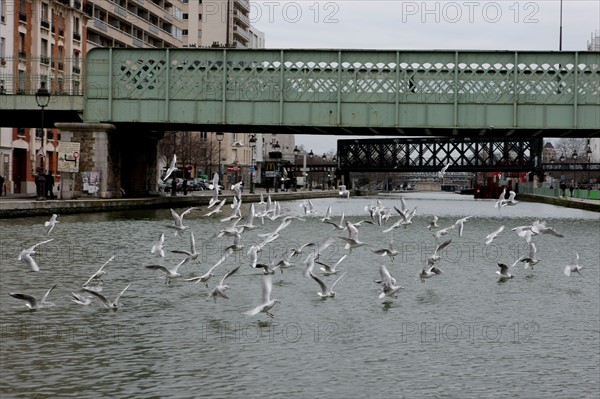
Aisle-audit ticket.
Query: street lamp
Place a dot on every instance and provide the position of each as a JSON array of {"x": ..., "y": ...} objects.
[
  {"x": 276, "y": 147},
  {"x": 253, "y": 146},
  {"x": 220, "y": 136},
  {"x": 589, "y": 159},
  {"x": 574, "y": 156},
  {"x": 311, "y": 155},
  {"x": 324, "y": 157},
  {"x": 42, "y": 97}
]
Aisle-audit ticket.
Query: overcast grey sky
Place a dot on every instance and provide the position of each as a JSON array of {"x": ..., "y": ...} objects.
[{"x": 423, "y": 25}]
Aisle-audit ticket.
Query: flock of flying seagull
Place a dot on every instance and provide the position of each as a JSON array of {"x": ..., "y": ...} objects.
[{"x": 271, "y": 210}]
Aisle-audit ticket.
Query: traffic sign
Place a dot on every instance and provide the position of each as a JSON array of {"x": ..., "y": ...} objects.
[{"x": 251, "y": 169}]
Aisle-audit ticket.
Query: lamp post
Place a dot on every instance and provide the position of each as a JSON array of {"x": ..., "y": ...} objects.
[
  {"x": 311, "y": 155},
  {"x": 574, "y": 156},
  {"x": 220, "y": 136},
  {"x": 296, "y": 152},
  {"x": 589, "y": 159},
  {"x": 42, "y": 97},
  {"x": 324, "y": 157},
  {"x": 174, "y": 178},
  {"x": 276, "y": 147},
  {"x": 253, "y": 146},
  {"x": 560, "y": 27}
]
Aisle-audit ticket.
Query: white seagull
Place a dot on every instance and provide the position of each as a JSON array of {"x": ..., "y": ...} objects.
[
  {"x": 221, "y": 287},
  {"x": 158, "y": 246},
  {"x": 490, "y": 237},
  {"x": 460, "y": 223},
  {"x": 84, "y": 300},
  {"x": 352, "y": 240},
  {"x": 25, "y": 256},
  {"x": 206, "y": 276},
  {"x": 217, "y": 209},
  {"x": 501, "y": 200},
  {"x": 192, "y": 254},
  {"x": 344, "y": 192},
  {"x": 178, "y": 219},
  {"x": 329, "y": 270},
  {"x": 99, "y": 273},
  {"x": 388, "y": 284},
  {"x": 267, "y": 302},
  {"x": 573, "y": 267},
  {"x": 503, "y": 272},
  {"x": 31, "y": 302},
  {"x": 170, "y": 273},
  {"x": 326, "y": 292},
  {"x": 531, "y": 259},
  {"x": 442, "y": 172},
  {"x": 435, "y": 257},
  {"x": 51, "y": 223},
  {"x": 107, "y": 304},
  {"x": 389, "y": 251},
  {"x": 433, "y": 222},
  {"x": 172, "y": 168}
]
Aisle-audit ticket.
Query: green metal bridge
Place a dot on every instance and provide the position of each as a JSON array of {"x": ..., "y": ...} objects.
[
  {"x": 363, "y": 92},
  {"x": 464, "y": 93}
]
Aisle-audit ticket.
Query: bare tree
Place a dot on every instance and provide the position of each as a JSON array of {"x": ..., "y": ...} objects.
[
  {"x": 191, "y": 148},
  {"x": 568, "y": 146}
]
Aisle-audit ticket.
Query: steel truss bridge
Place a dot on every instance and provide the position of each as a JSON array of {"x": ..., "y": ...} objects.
[{"x": 431, "y": 154}]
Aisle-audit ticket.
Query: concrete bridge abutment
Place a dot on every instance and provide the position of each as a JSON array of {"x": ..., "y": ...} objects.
[{"x": 126, "y": 162}]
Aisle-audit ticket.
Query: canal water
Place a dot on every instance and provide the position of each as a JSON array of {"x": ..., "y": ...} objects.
[{"x": 463, "y": 333}]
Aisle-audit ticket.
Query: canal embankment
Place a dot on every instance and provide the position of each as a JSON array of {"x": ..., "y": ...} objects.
[{"x": 19, "y": 206}]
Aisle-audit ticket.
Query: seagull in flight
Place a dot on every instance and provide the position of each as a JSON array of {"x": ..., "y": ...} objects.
[
  {"x": 352, "y": 240},
  {"x": 389, "y": 251},
  {"x": 329, "y": 270},
  {"x": 442, "y": 172},
  {"x": 326, "y": 292},
  {"x": 172, "y": 168},
  {"x": 490, "y": 237},
  {"x": 503, "y": 272},
  {"x": 435, "y": 257},
  {"x": 460, "y": 223},
  {"x": 388, "y": 284},
  {"x": 432, "y": 223},
  {"x": 170, "y": 273},
  {"x": 99, "y": 273},
  {"x": 107, "y": 304},
  {"x": 221, "y": 287},
  {"x": 501, "y": 199},
  {"x": 267, "y": 301},
  {"x": 31, "y": 302},
  {"x": 158, "y": 246},
  {"x": 84, "y": 300},
  {"x": 344, "y": 192},
  {"x": 178, "y": 219},
  {"x": 25, "y": 256},
  {"x": 573, "y": 267},
  {"x": 192, "y": 254},
  {"x": 51, "y": 223},
  {"x": 206, "y": 276},
  {"x": 337, "y": 226},
  {"x": 531, "y": 259}
]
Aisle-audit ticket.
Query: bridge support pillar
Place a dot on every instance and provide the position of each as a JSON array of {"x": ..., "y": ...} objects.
[
  {"x": 126, "y": 160},
  {"x": 96, "y": 155}
]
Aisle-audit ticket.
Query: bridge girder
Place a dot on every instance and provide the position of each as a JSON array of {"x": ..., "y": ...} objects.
[{"x": 431, "y": 154}]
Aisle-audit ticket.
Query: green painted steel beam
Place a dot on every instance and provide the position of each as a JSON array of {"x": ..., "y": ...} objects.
[{"x": 344, "y": 90}]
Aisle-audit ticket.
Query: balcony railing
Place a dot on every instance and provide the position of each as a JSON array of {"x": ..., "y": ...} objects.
[
  {"x": 76, "y": 36},
  {"x": 76, "y": 70},
  {"x": 22, "y": 17},
  {"x": 44, "y": 60},
  {"x": 22, "y": 55},
  {"x": 45, "y": 23}
]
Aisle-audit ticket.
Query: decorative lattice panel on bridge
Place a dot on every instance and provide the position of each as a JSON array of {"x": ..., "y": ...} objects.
[
  {"x": 345, "y": 89},
  {"x": 429, "y": 154}
]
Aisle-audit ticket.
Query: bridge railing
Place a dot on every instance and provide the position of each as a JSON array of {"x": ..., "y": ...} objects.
[{"x": 63, "y": 76}]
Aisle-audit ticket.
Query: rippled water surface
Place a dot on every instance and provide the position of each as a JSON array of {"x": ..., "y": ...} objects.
[{"x": 461, "y": 334}]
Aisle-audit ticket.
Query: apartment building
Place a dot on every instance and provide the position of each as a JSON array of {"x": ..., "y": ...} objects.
[
  {"x": 46, "y": 40},
  {"x": 40, "y": 41}
]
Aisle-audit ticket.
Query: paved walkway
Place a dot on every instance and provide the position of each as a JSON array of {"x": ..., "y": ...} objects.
[{"x": 17, "y": 205}]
